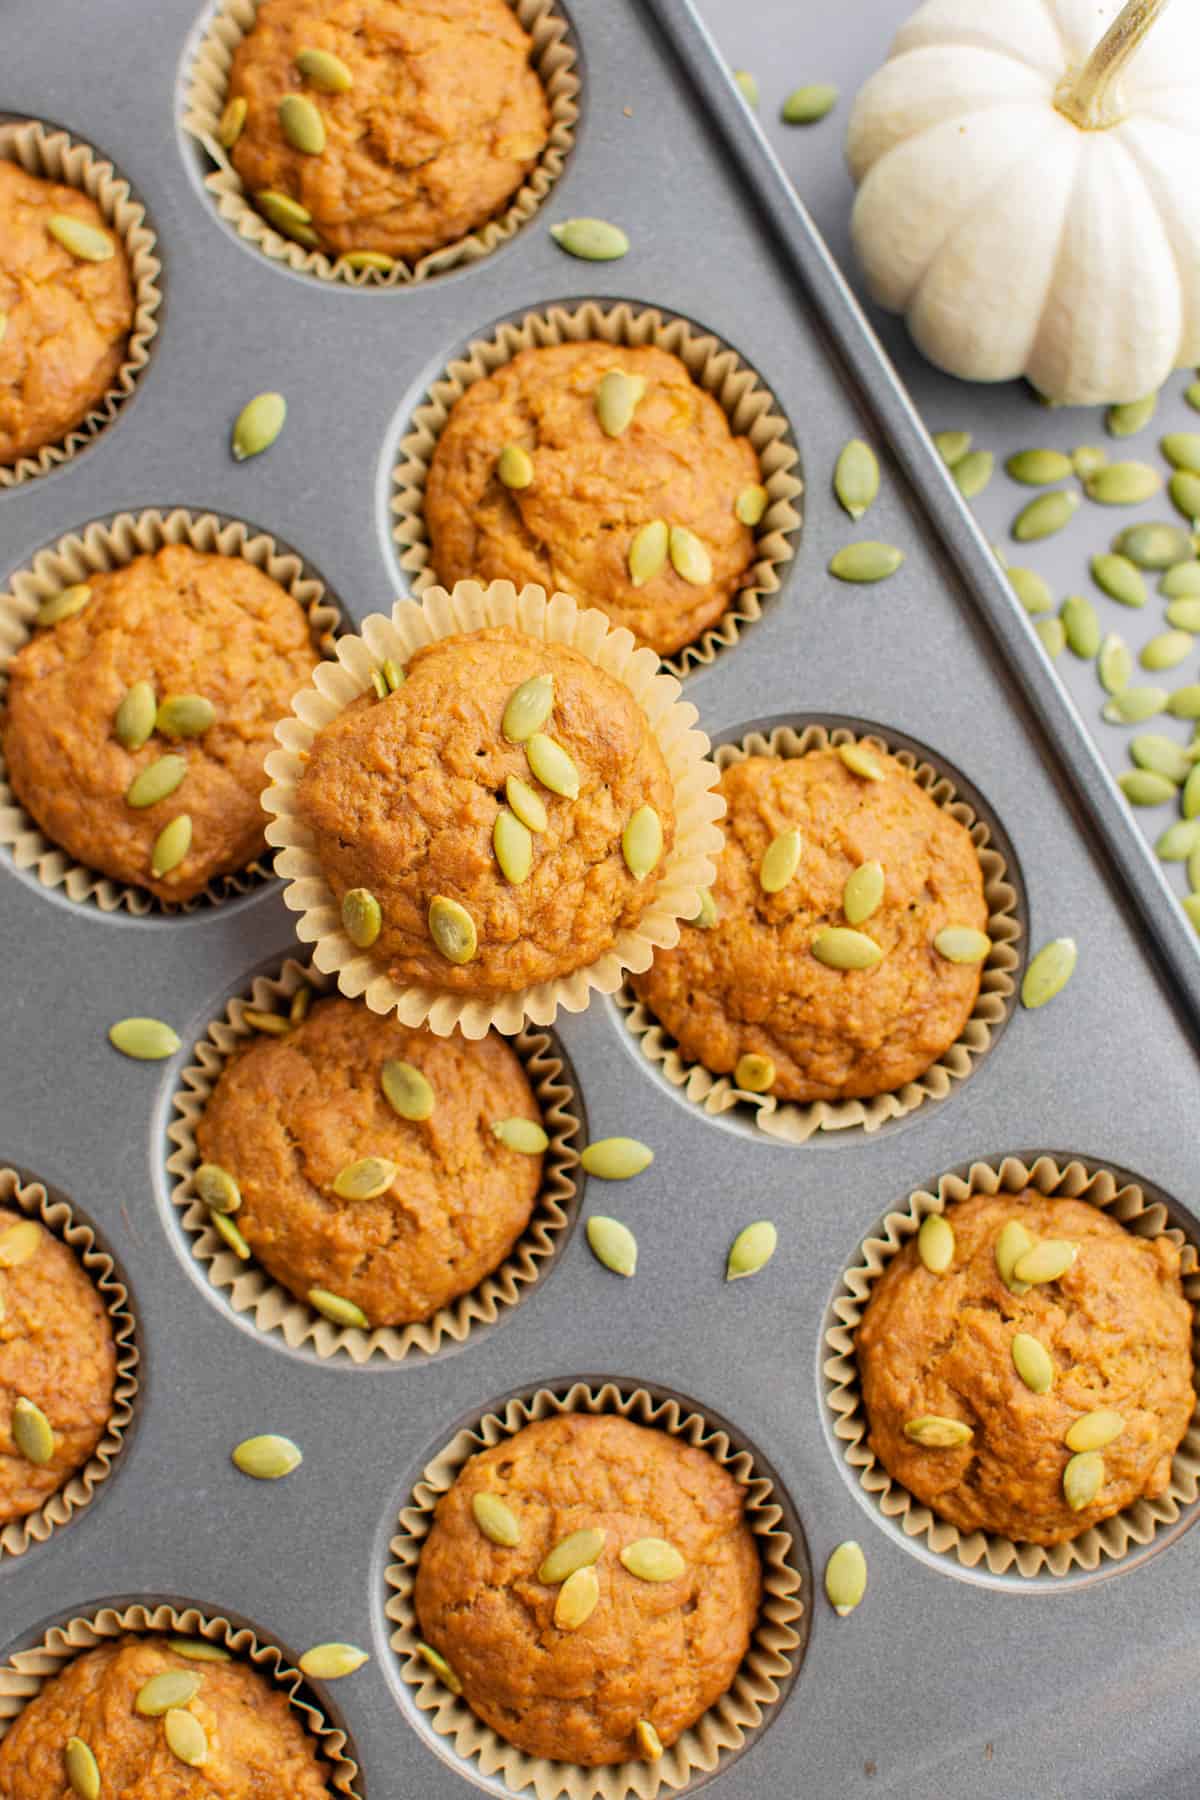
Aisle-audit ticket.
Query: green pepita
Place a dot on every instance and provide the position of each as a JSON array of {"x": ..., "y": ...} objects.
[
  {"x": 1047, "y": 1261},
  {"x": 846, "y": 1578},
  {"x": 216, "y": 1188},
  {"x": 1181, "y": 581},
  {"x": 863, "y": 892},
  {"x": 1184, "y": 703},
  {"x": 369, "y": 259},
  {"x": 1044, "y": 516},
  {"x": 337, "y": 1310},
  {"x": 78, "y": 238},
  {"x": 1178, "y": 841},
  {"x": 753, "y": 1073},
  {"x": 302, "y": 125},
  {"x": 747, "y": 86},
  {"x": 1052, "y": 635},
  {"x": 1124, "y": 484},
  {"x": 1154, "y": 546},
  {"x": 810, "y": 104},
  {"x": 171, "y": 846},
  {"x": 578, "y": 1551},
  {"x": 866, "y": 562},
  {"x": 1162, "y": 756},
  {"x": 839, "y": 948},
  {"x": 973, "y": 472},
  {"x": 751, "y": 504},
  {"x": 286, "y": 215},
  {"x": 1142, "y": 787},
  {"x": 952, "y": 446},
  {"x": 1185, "y": 494},
  {"x": 1039, "y": 468},
  {"x": 1094, "y": 1431},
  {"x": 523, "y": 1135},
  {"x": 173, "y": 1687},
  {"x": 230, "y": 1233},
  {"x": 528, "y": 708},
  {"x": 185, "y": 715},
  {"x": 134, "y": 719},
  {"x": 258, "y": 425},
  {"x": 267, "y": 1457},
  {"x": 689, "y": 556},
  {"x": 1190, "y": 804},
  {"x": 186, "y": 1738},
  {"x": 616, "y": 1158},
  {"x": 1114, "y": 665},
  {"x": 232, "y": 122},
  {"x": 156, "y": 781},
  {"x": 441, "y": 1668},
  {"x": 1182, "y": 450},
  {"x": 1031, "y": 590},
  {"x": 1087, "y": 459},
  {"x": 616, "y": 399},
  {"x": 1131, "y": 416},
  {"x": 1033, "y": 1363},
  {"x": 64, "y": 605},
  {"x": 82, "y": 1770},
  {"x": 1083, "y": 1478},
  {"x": 365, "y": 1179},
  {"x": 407, "y": 1091},
  {"x": 1193, "y": 869},
  {"x": 612, "y": 1244},
  {"x": 332, "y": 1662},
  {"x": 708, "y": 916},
  {"x": 780, "y": 860},
  {"x": 642, "y": 842},
  {"x": 552, "y": 766},
  {"x": 648, "y": 552},
  {"x": 1119, "y": 578},
  {"x": 856, "y": 477},
  {"x": 653, "y": 1559},
  {"x": 594, "y": 240},
  {"x": 497, "y": 1521},
  {"x": 935, "y": 1243},
  {"x": 1184, "y": 614},
  {"x": 146, "y": 1040},
  {"x": 962, "y": 944},
  {"x": 327, "y": 72},
  {"x": 525, "y": 804},
  {"x": 362, "y": 917},
  {"x": 577, "y": 1599},
  {"x": 379, "y": 684},
  {"x": 199, "y": 1650},
  {"x": 513, "y": 845},
  {"x": 1192, "y": 395},
  {"x": 514, "y": 467},
  {"x": 32, "y": 1432},
  {"x": 452, "y": 929},
  {"x": 935, "y": 1432},
  {"x": 1133, "y": 705},
  {"x": 859, "y": 761},
  {"x": 648, "y": 1741},
  {"x": 19, "y": 1243},
  {"x": 751, "y": 1250},
  {"x": 1012, "y": 1242},
  {"x": 1167, "y": 650},
  {"x": 1049, "y": 972}
]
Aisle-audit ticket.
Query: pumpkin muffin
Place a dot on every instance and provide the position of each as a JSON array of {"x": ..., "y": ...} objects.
[
  {"x": 410, "y": 801},
  {"x": 213, "y": 630},
  {"x": 427, "y": 120},
  {"x": 953, "y": 1421},
  {"x": 290, "y": 1115},
  {"x": 56, "y": 1354},
  {"x": 834, "y": 1003},
  {"x": 566, "y": 1666},
  {"x": 255, "y": 1744},
  {"x": 66, "y": 318},
  {"x": 578, "y": 519}
]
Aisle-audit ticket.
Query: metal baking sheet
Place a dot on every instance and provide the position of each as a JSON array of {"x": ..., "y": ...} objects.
[{"x": 940, "y": 1684}]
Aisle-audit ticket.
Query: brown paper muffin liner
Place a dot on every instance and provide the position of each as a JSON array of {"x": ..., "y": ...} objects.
[
  {"x": 1124, "y": 1201},
  {"x": 100, "y": 548},
  {"x": 746, "y": 402},
  {"x": 32, "y": 1199},
  {"x": 789, "y": 1121},
  {"x": 55, "y": 156},
  {"x": 251, "y": 1290},
  {"x": 553, "y": 58},
  {"x": 439, "y": 614},
  {"x": 775, "y": 1649},
  {"x": 26, "y": 1673}
]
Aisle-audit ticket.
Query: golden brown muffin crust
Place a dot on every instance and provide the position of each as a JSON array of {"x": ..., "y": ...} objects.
[
  {"x": 572, "y": 527},
  {"x": 751, "y": 984},
  {"x": 444, "y": 120},
  {"x": 68, "y": 320},
  {"x": 56, "y": 1349},
  {"x": 288, "y": 1113},
  {"x": 190, "y": 624},
  {"x": 402, "y": 794},
  {"x": 1117, "y": 1328},
  {"x": 257, "y": 1747},
  {"x": 664, "y": 1652}
]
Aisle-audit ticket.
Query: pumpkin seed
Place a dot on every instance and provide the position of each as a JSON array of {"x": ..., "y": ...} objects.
[
  {"x": 156, "y": 781},
  {"x": 513, "y": 844},
  {"x": 1131, "y": 416},
  {"x": 301, "y": 1003},
  {"x": 1114, "y": 664},
  {"x": 1031, "y": 590},
  {"x": 1184, "y": 614},
  {"x": 365, "y": 1179},
  {"x": 1048, "y": 1260},
  {"x": 754, "y": 1074},
  {"x": 82, "y": 1770},
  {"x": 863, "y": 892},
  {"x": 1033, "y": 1363},
  {"x": 267, "y": 1457},
  {"x": 973, "y": 472},
  {"x": 1154, "y": 546},
  {"x": 32, "y": 1432},
  {"x": 1190, "y": 805},
  {"x": 653, "y": 1559},
  {"x": 810, "y": 104},
  {"x": 1083, "y": 1478},
  {"x": 552, "y": 766},
  {"x": 369, "y": 259},
  {"x": 524, "y": 1135},
  {"x": 594, "y": 240},
  {"x": 866, "y": 562},
  {"x": 1162, "y": 756},
  {"x": 1182, "y": 450},
  {"x": 689, "y": 556},
  {"x": 648, "y": 552},
  {"x": 962, "y": 944},
  {"x": 302, "y": 125},
  {"x": 225, "y": 1228},
  {"x": 406, "y": 1090},
  {"x": 952, "y": 446},
  {"x": 258, "y": 425},
  {"x": 616, "y": 401},
  {"x": 708, "y": 915},
  {"x": 751, "y": 504},
  {"x": 134, "y": 719},
  {"x": 286, "y": 214},
  {"x": 1012, "y": 1242},
  {"x": 514, "y": 467},
  {"x": 173, "y": 1687},
  {"x": 327, "y": 72},
  {"x": 839, "y": 948},
  {"x": 332, "y": 1662},
  {"x": 648, "y": 1741},
  {"x": 64, "y": 605},
  {"x": 612, "y": 1244},
  {"x": 199, "y": 1650},
  {"x": 860, "y": 761},
  {"x": 337, "y": 1310},
  {"x": 1042, "y": 517},
  {"x": 1123, "y": 484},
  {"x": 577, "y": 1599},
  {"x": 856, "y": 477},
  {"x": 616, "y": 1158},
  {"x": 935, "y": 1243},
  {"x": 525, "y": 804},
  {"x": 1087, "y": 459},
  {"x": 1192, "y": 395},
  {"x": 1052, "y": 635},
  {"x": 846, "y": 1578},
  {"x": 1142, "y": 787},
  {"x": 146, "y": 1040},
  {"x": 379, "y": 684},
  {"x": 497, "y": 1521},
  {"x": 362, "y": 917},
  {"x": 1178, "y": 841},
  {"x": 1181, "y": 581},
  {"x": 1039, "y": 468},
  {"x": 1184, "y": 488},
  {"x": 269, "y": 1024},
  {"x": 80, "y": 239},
  {"x": 1134, "y": 704},
  {"x": 1094, "y": 1431},
  {"x": 216, "y": 1188},
  {"x": 642, "y": 842},
  {"x": 441, "y": 1668},
  {"x": 578, "y": 1551},
  {"x": 452, "y": 929},
  {"x": 232, "y": 122},
  {"x": 171, "y": 845},
  {"x": 186, "y": 1738},
  {"x": 1167, "y": 650},
  {"x": 1184, "y": 703},
  {"x": 1119, "y": 578},
  {"x": 751, "y": 1250},
  {"x": 1193, "y": 869},
  {"x": 934, "y": 1432},
  {"x": 1049, "y": 972},
  {"x": 748, "y": 87},
  {"x": 19, "y": 1243},
  {"x": 780, "y": 860}
]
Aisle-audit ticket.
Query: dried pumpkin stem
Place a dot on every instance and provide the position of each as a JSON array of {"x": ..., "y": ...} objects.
[{"x": 1091, "y": 99}]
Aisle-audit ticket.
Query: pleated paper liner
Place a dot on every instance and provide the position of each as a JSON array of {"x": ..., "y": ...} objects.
[
  {"x": 790, "y": 1121},
  {"x": 770, "y": 1662},
  {"x": 1124, "y": 1201},
  {"x": 26, "y": 1673},
  {"x": 471, "y": 607},
  {"x": 31, "y": 1198},
  {"x": 251, "y": 1290},
  {"x": 102, "y": 547},
  {"x": 56, "y": 156},
  {"x": 553, "y": 57},
  {"x": 746, "y": 402}
]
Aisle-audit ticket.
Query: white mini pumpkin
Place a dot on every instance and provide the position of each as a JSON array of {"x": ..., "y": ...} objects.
[{"x": 1030, "y": 196}]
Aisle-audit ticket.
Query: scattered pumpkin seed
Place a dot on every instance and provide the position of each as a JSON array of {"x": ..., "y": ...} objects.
[
  {"x": 156, "y": 781},
  {"x": 64, "y": 605},
  {"x": 1033, "y": 1363},
  {"x": 642, "y": 842},
  {"x": 497, "y": 1521},
  {"x": 616, "y": 400},
  {"x": 146, "y": 1040},
  {"x": 286, "y": 215},
  {"x": 514, "y": 467},
  {"x": 552, "y": 766},
  {"x": 362, "y": 917},
  {"x": 336, "y": 1310},
  {"x": 513, "y": 845},
  {"x": 199, "y": 1650},
  {"x": 751, "y": 1250},
  {"x": 332, "y": 1662},
  {"x": 407, "y": 1091},
  {"x": 225, "y": 1228},
  {"x": 1119, "y": 578},
  {"x": 612, "y": 1244},
  {"x": 1094, "y": 1431},
  {"x": 171, "y": 846},
  {"x": 648, "y": 1741},
  {"x": 859, "y": 760},
  {"x": 1131, "y": 416},
  {"x": 839, "y": 948},
  {"x": 1154, "y": 546},
  {"x": 1049, "y": 972},
  {"x": 1192, "y": 395},
  {"x": 1053, "y": 636},
  {"x": 708, "y": 916},
  {"x": 267, "y": 1457},
  {"x": 452, "y": 929},
  {"x": 369, "y": 259},
  {"x": 846, "y": 1578},
  {"x": 952, "y": 446},
  {"x": 856, "y": 477},
  {"x": 1031, "y": 590},
  {"x": 577, "y": 1598},
  {"x": 1048, "y": 1260},
  {"x": 1181, "y": 581},
  {"x": 594, "y": 240},
  {"x": 1081, "y": 626},
  {"x": 269, "y": 1024},
  {"x": 365, "y": 1179},
  {"x": 1142, "y": 787},
  {"x": 1133, "y": 705},
  {"x": 1182, "y": 450},
  {"x": 1042, "y": 517},
  {"x": 1184, "y": 703},
  {"x": 524, "y": 1135},
  {"x": 578, "y": 1551},
  {"x": 1088, "y": 459},
  {"x": 258, "y": 425},
  {"x": 134, "y": 719},
  {"x": 810, "y": 104},
  {"x": 441, "y": 1668},
  {"x": 780, "y": 860},
  {"x": 1190, "y": 803},
  {"x": 935, "y": 1243},
  {"x": 1114, "y": 664},
  {"x": 173, "y": 1687},
  {"x": 525, "y": 804},
  {"x": 1162, "y": 756},
  {"x": 653, "y": 1559},
  {"x": 1167, "y": 650},
  {"x": 866, "y": 562},
  {"x": 1178, "y": 841},
  {"x": 1193, "y": 869},
  {"x": 301, "y": 1004},
  {"x": 379, "y": 684},
  {"x": 933, "y": 1432},
  {"x": 302, "y": 125},
  {"x": 1083, "y": 1478},
  {"x": 186, "y": 1738},
  {"x": 962, "y": 944},
  {"x": 689, "y": 556},
  {"x": 751, "y": 504},
  {"x": 82, "y": 1770},
  {"x": 1012, "y": 1242},
  {"x": 973, "y": 472},
  {"x": 863, "y": 892},
  {"x": 216, "y": 1188},
  {"x": 80, "y": 239},
  {"x": 1184, "y": 615},
  {"x": 327, "y": 72},
  {"x": 1184, "y": 488},
  {"x": 20, "y": 1243},
  {"x": 232, "y": 122},
  {"x": 32, "y": 1432},
  {"x": 748, "y": 88},
  {"x": 648, "y": 552},
  {"x": 1039, "y": 468},
  {"x": 616, "y": 1158},
  {"x": 1123, "y": 484}
]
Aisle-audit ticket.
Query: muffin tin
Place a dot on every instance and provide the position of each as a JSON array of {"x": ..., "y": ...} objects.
[{"x": 946, "y": 1680}]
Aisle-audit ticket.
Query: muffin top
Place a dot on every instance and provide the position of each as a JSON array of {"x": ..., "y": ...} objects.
[
  {"x": 754, "y": 983},
  {"x": 402, "y": 797},
  {"x": 573, "y": 525},
  {"x": 1115, "y": 1331},
  {"x": 436, "y": 120},
  {"x": 56, "y": 1351},
  {"x": 255, "y": 1743},
  {"x": 289, "y": 1114},
  {"x": 189, "y": 624},
  {"x": 661, "y": 1650},
  {"x": 67, "y": 319}
]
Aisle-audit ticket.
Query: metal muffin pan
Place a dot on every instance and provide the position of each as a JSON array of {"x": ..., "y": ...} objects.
[{"x": 937, "y": 1686}]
